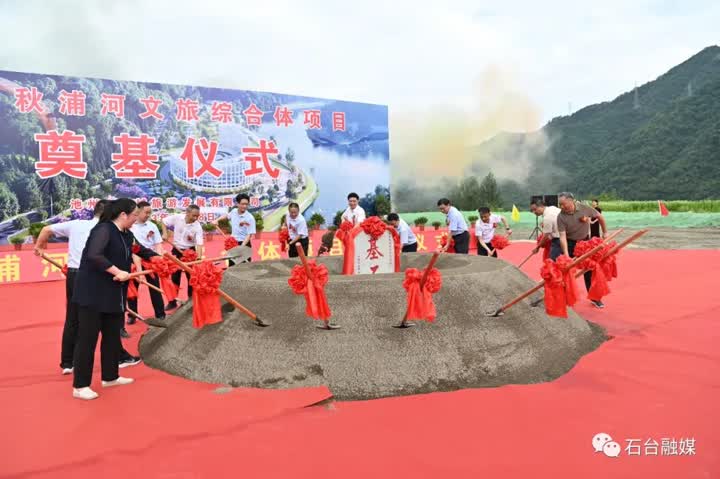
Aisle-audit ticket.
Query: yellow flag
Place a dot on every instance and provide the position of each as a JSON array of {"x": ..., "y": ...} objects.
[{"x": 515, "y": 214}]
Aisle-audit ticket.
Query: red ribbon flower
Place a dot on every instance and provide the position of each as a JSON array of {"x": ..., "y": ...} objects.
[
  {"x": 230, "y": 243},
  {"x": 609, "y": 264},
  {"x": 559, "y": 286},
  {"x": 205, "y": 280},
  {"x": 132, "y": 286},
  {"x": 599, "y": 285},
  {"x": 344, "y": 230},
  {"x": 316, "y": 305},
  {"x": 500, "y": 242},
  {"x": 189, "y": 255},
  {"x": 163, "y": 268},
  {"x": 444, "y": 240},
  {"x": 284, "y": 238},
  {"x": 135, "y": 248},
  {"x": 374, "y": 227},
  {"x": 420, "y": 304},
  {"x": 546, "y": 247},
  {"x": 65, "y": 269}
]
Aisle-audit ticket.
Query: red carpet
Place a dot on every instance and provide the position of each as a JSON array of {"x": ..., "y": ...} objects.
[{"x": 658, "y": 378}]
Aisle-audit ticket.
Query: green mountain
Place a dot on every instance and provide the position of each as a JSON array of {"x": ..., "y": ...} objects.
[{"x": 660, "y": 140}]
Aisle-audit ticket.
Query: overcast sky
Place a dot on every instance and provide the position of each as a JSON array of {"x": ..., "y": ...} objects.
[{"x": 407, "y": 54}]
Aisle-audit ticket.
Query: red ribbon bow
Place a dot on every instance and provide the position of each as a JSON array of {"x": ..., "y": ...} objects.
[
  {"x": 599, "y": 285},
  {"x": 284, "y": 238},
  {"x": 374, "y": 227},
  {"x": 135, "y": 248},
  {"x": 559, "y": 286},
  {"x": 189, "y": 255},
  {"x": 500, "y": 242},
  {"x": 444, "y": 240},
  {"x": 230, "y": 243},
  {"x": 205, "y": 280},
  {"x": 420, "y": 304},
  {"x": 65, "y": 269},
  {"x": 163, "y": 268},
  {"x": 546, "y": 247},
  {"x": 316, "y": 305}
]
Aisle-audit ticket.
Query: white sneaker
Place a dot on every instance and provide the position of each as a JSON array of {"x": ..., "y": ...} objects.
[
  {"x": 84, "y": 393},
  {"x": 120, "y": 381},
  {"x": 67, "y": 371}
]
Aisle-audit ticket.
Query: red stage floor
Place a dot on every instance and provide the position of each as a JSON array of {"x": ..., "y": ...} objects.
[{"x": 659, "y": 378}]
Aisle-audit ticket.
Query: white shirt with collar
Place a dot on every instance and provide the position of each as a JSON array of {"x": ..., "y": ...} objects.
[
  {"x": 241, "y": 224},
  {"x": 407, "y": 236},
  {"x": 185, "y": 235},
  {"x": 355, "y": 216},
  {"x": 486, "y": 231},
  {"x": 297, "y": 226},
  {"x": 549, "y": 221},
  {"x": 147, "y": 234},
  {"x": 456, "y": 222},
  {"x": 77, "y": 232}
]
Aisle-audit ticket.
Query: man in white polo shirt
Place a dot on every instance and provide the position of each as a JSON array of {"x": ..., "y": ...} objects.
[
  {"x": 77, "y": 232},
  {"x": 407, "y": 237},
  {"x": 148, "y": 235},
  {"x": 456, "y": 225},
  {"x": 485, "y": 231},
  {"x": 187, "y": 234},
  {"x": 242, "y": 222},
  {"x": 354, "y": 213}
]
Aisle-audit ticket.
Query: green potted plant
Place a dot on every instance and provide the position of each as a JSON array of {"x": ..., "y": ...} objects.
[
  {"x": 472, "y": 220},
  {"x": 436, "y": 225},
  {"x": 209, "y": 230},
  {"x": 34, "y": 230},
  {"x": 318, "y": 220},
  {"x": 259, "y": 224},
  {"x": 18, "y": 240},
  {"x": 224, "y": 225},
  {"x": 420, "y": 222},
  {"x": 338, "y": 218}
]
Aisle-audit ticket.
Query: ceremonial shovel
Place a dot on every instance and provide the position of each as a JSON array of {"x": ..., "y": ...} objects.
[
  {"x": 223, "y": 294},
  {"x": 612, "y": 251},
  {"x": 500, "y": 311},
  {"x": 435, "y": 256}
]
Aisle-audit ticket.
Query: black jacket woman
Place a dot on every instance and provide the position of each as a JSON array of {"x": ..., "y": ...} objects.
[{"x": 101, "y": 295}]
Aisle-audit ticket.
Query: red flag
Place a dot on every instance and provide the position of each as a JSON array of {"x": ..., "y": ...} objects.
[{"x": 663, "y": 209}]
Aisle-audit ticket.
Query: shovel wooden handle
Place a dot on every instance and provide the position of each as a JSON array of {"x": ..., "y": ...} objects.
[{"x": 51, "y": 261}]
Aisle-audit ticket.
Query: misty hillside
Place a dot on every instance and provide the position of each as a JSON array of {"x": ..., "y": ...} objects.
[{"x": 661, "y": 141}]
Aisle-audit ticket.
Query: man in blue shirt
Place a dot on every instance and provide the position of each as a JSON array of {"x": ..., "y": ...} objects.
[
  {"x": 407, "y": 237},
  {"x": 456, "y": 225}
]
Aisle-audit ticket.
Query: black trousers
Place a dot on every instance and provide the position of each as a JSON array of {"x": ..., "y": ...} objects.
[
  {"x": 70, "y": 329},
  {"x": 155, "y": 297},
  {"x": 462, "y": 243},
  {"x": 292, "y": 249},
  {"x": 92, "y": 323},
  {"x": 483, "y": 252},
  {"x": 556, "y": 250},
  {"x": 177, "y": 275},
  {"x": 409, "y": 248}
]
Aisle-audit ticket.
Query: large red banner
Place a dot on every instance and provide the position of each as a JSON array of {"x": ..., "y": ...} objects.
[{"x": 22, "y": 266}]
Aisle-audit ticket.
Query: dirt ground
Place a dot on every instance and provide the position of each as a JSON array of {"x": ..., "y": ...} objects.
[{"x": 663, "y": 238}]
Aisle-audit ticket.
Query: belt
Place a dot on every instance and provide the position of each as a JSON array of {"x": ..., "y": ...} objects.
[
  {"x": 72, "y": 270},
  {"x": 458, "y": 234}
]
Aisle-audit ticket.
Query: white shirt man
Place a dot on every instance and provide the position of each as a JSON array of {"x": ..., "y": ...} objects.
[
  {"x": 354, "y": 216},
  {"x": 185, "y": 235},
  {"x": 297, "y": 227},
  {"x": 241, "y": 224},
  {"x": 456, "y": 222},
  {"x": 147, "y": 234},
  {"x": 549, "y": 221},
  {"x": 407, "y": 237},
  {"x": 77, "y": 232},
  {"x": 486, "y": 231}
]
